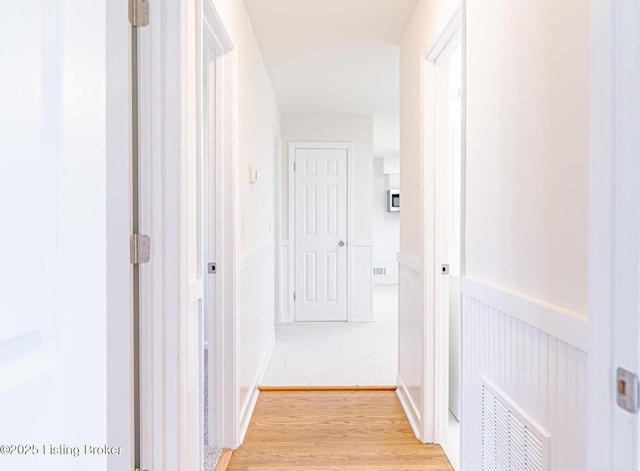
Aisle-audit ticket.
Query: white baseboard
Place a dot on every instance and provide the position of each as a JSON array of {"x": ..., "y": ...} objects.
[{"x": 410, "y": 409}]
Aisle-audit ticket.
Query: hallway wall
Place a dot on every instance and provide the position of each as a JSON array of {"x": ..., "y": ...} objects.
[
  {"x": 355, "y": 129},
  {"x": 525, "y": 290},
  {"x": 258, "y": 120},
  {"x": 386, "y": 226},
  {"x": 524, "y": 295}
]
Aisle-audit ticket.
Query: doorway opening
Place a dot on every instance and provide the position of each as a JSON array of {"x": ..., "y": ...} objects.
[
  {"x": 218, "y": 413},
  {"x": 446, "y": 88},
  {"x": 338, "y": 331},
  {"x": 448, "y": 149}
]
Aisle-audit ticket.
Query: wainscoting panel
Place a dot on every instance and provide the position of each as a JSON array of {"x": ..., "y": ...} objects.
[
  {"x": 543, "y": 375},
  {"x": 286, "y": 300},
  {"x": 411, "y": 341},
  {"x": 255, "y": 332},
  {"x": 361, "y": 293},
  {"x": 360, "y": 289}
]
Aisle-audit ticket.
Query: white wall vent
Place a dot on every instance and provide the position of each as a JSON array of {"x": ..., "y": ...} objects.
[
  {"x": 379, "y": 271},
  {"x": 511, "y": 440}
]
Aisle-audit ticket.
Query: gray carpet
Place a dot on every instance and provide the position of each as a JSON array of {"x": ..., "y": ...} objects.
[{"x": 211, "y": 458}]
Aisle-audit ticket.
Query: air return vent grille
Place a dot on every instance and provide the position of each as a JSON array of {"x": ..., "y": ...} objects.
[
  {"x": 379, "y": 271},
  {"x": 511, "y": 441}
]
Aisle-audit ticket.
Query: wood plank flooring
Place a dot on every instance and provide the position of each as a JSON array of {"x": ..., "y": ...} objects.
[{"x": 333, "y": 431}]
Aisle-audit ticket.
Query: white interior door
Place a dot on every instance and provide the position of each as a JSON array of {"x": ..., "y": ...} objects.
[
  {"x": 65, "y": 273},
  {"x": 320, "y": 234}
]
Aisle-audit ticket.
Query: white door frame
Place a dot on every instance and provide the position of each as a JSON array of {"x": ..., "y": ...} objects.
[
  {"x": 119, "y": 326},
  {"x": 614, "y": 229},
  {"x": 436, "y": 325},
  {"x": 292, "y": 227},
  {"x": 162, "y": 293},
  {"x": 223, "y": 427}
]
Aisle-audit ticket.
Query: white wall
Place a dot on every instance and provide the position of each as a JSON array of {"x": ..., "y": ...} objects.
[
  {"x": 385, "y": 226},
  {"x": 386, "y": 136},
  {"x": 257, "y": 120},
  {"x": 525, "y": 294},
  {"x": 527, "y": 116},
  {"x": 356, "y": 129},
  {"x": 527, "y": 152}
]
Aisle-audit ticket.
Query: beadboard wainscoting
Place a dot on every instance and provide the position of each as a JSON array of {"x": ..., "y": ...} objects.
[
  {"x": 411, "y": 341},
  {"x": 360, "y": 282},
  {"x": 535, "y": 354},
  {"x": 255, "y": 331},
  {"x": 361, "y": 275}
]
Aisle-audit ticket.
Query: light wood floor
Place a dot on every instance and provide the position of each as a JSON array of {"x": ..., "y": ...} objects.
[{"x": 333, "y": 431}]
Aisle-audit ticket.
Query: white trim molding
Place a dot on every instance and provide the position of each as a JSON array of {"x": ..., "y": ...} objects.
[
  {"x": 563, "y": 324},
  {"x": 436, "y": 321},
  {"x": 247, "y": 409},
  {"x": 410, "y": 408},
  {"x": 447, "y": 29},
  {"x": 410, "y": 261},
  {"x": 161, "y": 294}
]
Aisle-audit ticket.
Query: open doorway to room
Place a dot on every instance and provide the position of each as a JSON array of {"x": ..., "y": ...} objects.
[
  {"x": 447, "y": 90},
  {"x": 353, "y": 342},
  {"x": 215, "y": 236}
]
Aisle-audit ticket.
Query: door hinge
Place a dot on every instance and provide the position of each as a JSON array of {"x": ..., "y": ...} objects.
[
  {"x": 212, "y": 268},
  {"x": 139, "y": 13},
  {"x": 140, "y": 249},
  {"x": 294, "y": 295},
  {"x": 294, "y": 166}
]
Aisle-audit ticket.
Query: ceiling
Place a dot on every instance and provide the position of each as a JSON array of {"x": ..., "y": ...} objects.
[{"x": 332, "y": 57}]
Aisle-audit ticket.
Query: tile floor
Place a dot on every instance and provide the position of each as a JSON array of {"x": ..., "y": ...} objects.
[{"x": 339, "y": 353}]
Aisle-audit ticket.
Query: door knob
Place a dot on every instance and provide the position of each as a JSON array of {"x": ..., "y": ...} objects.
[{"x": 341, "y": 243}]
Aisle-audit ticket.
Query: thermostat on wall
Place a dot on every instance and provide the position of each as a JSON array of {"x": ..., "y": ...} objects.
[{"x": 393, "y": 200}]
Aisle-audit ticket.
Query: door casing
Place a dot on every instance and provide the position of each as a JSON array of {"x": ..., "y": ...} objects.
[
  {"x": 614, "y": 227},
  {"x": 433, "y": 428},
  {"x": 163, "y": 282}
]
